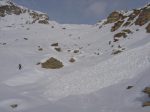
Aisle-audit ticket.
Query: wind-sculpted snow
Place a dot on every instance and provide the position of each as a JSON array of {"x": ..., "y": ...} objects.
[
  {"x": 124, "y": 66},
  {"x": 25, "y": 78}
]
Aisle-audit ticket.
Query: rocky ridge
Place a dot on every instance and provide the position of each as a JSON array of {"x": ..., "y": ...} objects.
[
  {"x": 7, "y": 7},
  {"x": 125, "y": 19}
]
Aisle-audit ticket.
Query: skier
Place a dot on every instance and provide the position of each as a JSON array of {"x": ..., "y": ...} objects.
[{"x": 20, "y": 66}]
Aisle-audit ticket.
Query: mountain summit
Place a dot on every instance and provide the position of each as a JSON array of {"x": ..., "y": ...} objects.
[
  {"x": 7, "y": 8},
  {"x": 124, "y": 20},
  {"x": 139, "y": 16}
]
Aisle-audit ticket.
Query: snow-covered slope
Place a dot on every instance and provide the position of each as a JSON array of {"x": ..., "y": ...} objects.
[
  {"x": 11, "y": 13},
  {"x": 104, "y": 65}
]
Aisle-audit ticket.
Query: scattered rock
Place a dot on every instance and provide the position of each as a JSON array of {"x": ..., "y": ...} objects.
[
  {"x": 69, "y": 50},
  {"x": 147, "y": 90},
  {"x": 116, "y": 52},
  {"x": 109, "y": 43},
  {"x": 133, "y": 15},
  {"x": 123, "y": 49},
  {"x": 4, "y": 43},
  {"x": 116, "y": 26},
  {"x": 129, "y": 87},
  {"x": 119, "y": 46},
  {"x": 148, "y": 28},
  {"x": 114, "y": 17},
  {"x": 14, "y": 105},
  {"x": 144, "y": 17},
  {"x": 25, "y": 38},
  {"x": 146, "y": 104},
  {"x": 96, "y": 53},
  {"x": 121, "y": 34},
  {"x": 58, "y": 49},
  {"x": 115, "y": 40},
  {"x": 63, "y": 28},
  {"x": 76, "y": 51},
  {"x": 40, "y": 49},
  {"x": 38, "y": 63},
  {"x": 127, "y": 31},
  {"x": 54, "y": 44},
  {"x": 72, "y": 60},
  {"x": 126, "y": 24},
  {"x": 43, "y": 22},
  {"x": 52, "y": 63},
  {"x": 41, "y": 18},
  {"x": 10, "y": 9},
  {"x": 27, "y": 28},
  {"x": 88, "y": 44}
]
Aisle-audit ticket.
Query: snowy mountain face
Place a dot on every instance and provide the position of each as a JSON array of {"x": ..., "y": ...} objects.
[
  {"x": 51, "y": 67},
  {"x": 21, "y": 14}
]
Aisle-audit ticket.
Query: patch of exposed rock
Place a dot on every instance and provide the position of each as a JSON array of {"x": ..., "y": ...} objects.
[
  {"x": 116, "y": 26},
  {"x": 148, "y": 28},
  {"x": 122, "y": 19},
  {"x": 52, "y": 63},
  {"x": 40, "y": 18},
  {"x": 11, "y": 8},
  {"x": 114, "y": 17},
  {"x": 124, "y": 33},
  {"x": 144, "y": 17}
]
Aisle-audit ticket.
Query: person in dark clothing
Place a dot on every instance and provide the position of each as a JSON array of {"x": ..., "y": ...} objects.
[{"x": 20, "y": 66}]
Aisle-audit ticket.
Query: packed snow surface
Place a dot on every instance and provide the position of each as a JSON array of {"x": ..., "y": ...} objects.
[{"x": 95, "y": 82}]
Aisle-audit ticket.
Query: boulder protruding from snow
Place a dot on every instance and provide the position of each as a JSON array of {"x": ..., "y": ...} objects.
[{"x": 52, "y": 63}]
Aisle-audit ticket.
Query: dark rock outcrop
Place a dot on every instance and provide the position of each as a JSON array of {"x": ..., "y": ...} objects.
[
  {"x": 72, "y": 60},
  {"x": 12, "y": 8},
  {"x": 146, "y": 104},
  {"x": 148, "y": 28},
  {"x": 133, "y": 15},
  {"x": 117, "y": 25},
  {"x": 147, "y": 90},
  {"x": 144, "y": 17},
  {"x": 52, "y": 63},
  {"x": 121, "y": 34},
  {"x": 124, "y": 33},
  {"x": 114, "y": 17},
  {"x": 122, "y": 19},
  {"x": 41, "y": 18},
  {"x": 54, "y": 44}
]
